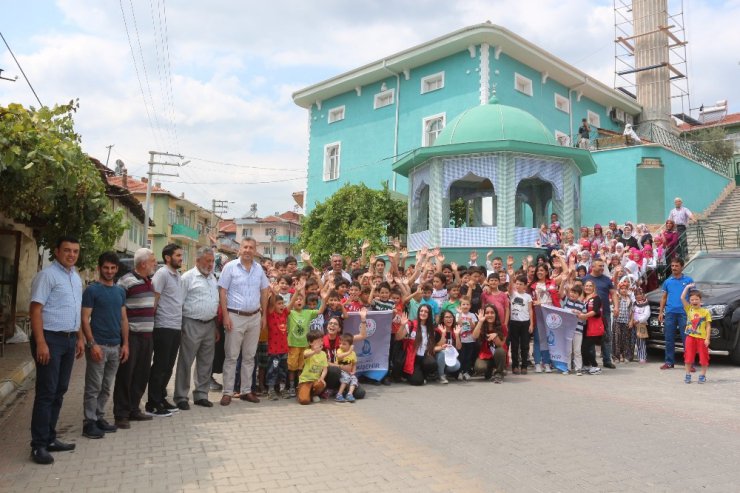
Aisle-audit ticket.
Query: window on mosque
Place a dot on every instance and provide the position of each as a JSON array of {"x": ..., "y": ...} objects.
[
  {"x": 336, "y": 114},
  {"x": 433, "y": 125},
  {"x": 384, "y": 98},
  {"x": 331, "y": 161},
  {"x": 562, "y": 103},
  {"x": 432, "y": 82},
  {"x": 522, "y": 84}
]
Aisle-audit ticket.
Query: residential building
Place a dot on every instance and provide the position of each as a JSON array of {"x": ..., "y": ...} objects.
[
  {"x": 364, "y": 120},
  {"x": 276, "y": 235},
  {"x": 175, "y": 219},
  {"x": 712, "y": 118}
]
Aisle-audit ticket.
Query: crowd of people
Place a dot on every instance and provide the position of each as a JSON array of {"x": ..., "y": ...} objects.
[{"x": 275, "y": 330}]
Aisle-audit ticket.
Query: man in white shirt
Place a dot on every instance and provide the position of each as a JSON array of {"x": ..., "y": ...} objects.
[
  {"x": 199, "y": 333},
  {"x": 681, "y": 216}
]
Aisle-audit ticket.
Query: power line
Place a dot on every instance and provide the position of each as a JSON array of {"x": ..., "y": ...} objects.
[
  {"x": 159, "y": 66},
  {"x": 241, "y": 165},
  {"x": 169, "y": 69},
  {"x": 236, "y": 182},
  {"x": 143, "y": 65},
  {"x": 21, "y": 69},
  {"x": 138, "y": 77}
]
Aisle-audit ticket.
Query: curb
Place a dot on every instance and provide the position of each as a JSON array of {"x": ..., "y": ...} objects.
[{"x": 16, "y": 379}]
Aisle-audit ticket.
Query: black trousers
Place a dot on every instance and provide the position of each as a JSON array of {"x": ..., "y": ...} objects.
[
  {"x": 425, "y": 367},
  {"x": 133, "y": 375},
  {"x": 219, "y": 354},
  {"x": 519, "y": 341},
  {"x": 588, "y": 350},
  {"x": 166, "y": 347},
  {"x": 52, "y": 381}
]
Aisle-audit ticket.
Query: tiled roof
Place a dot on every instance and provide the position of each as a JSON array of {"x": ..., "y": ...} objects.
[
  {"x": 135, "y": 185},
  {"x": 731, "y": 119},
  {"x": 227, "y": 226}
]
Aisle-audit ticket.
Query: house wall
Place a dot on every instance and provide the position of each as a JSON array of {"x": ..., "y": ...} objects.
[
  {"x": 27, "y": 263},
  {"x": 613, "y": 193},
  {"x": 367, "y": 135}
]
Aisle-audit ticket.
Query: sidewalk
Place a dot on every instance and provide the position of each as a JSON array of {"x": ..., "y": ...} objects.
[{"x": 16, "y": 365}]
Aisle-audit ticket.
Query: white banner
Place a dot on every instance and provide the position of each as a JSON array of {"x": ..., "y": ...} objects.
[
  {"x": 555, "y": 327},
  {"x": 372, "y": 353}
]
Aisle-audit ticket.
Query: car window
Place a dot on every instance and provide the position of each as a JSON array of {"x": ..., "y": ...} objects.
[{"x": 714, "y": 270}]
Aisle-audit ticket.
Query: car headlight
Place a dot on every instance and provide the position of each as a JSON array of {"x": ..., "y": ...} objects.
[{"x": 716, "y": 311}]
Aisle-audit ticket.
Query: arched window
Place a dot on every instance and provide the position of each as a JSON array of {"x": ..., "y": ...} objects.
[
  {"x": 473, "y": 202},
  {"x": 533, "y": 203}
]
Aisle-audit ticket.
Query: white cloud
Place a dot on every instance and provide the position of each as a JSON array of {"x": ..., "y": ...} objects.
[{"x": 235, "y": 65}]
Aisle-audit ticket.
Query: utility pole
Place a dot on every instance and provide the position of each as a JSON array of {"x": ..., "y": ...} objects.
[
  {"x": 219, "y": 207},
  {"x": 151, "y": 173},
  {"x": 108, "y": 158}
]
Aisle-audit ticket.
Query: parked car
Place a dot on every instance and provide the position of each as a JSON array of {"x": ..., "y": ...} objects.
[{"x": 717, "y": 276}]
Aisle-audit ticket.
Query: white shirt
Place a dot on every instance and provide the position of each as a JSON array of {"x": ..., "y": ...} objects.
[
  {"x": 680, "y": 216},
  {"x": 201, "y": 295}
]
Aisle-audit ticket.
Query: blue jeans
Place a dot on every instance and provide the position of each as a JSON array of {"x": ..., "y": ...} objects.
[
  {"x": 442, "y": 367},
  {"x": 606, "y": 342},
  {"x": 671, "y": 323},
  {"x": 52, "y": 381},
  {"x": 540, "y": 356}
]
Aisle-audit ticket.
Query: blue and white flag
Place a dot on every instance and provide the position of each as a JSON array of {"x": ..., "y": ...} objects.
[
  {"x": 555, "y": 328},
  {"x": 372, "y": 353}
]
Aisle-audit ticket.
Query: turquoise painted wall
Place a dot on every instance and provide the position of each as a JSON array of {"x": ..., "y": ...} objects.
[
  {"x": 367, "y": 134},
  {"x": 611, "y": 193}
]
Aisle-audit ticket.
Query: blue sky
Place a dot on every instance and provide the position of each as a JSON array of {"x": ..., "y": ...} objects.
[{"x": 234, "y": 66}]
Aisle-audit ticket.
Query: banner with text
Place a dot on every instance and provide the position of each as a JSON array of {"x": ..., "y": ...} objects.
[
  {"x": 372, "y": 353},
  {"x": 555, "y": 328}
]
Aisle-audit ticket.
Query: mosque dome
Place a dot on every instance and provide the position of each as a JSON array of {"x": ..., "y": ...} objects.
[{"x": 494, "y": 122}]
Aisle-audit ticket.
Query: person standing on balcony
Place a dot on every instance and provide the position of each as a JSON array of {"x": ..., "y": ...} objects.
[
  {"x": 681, "y": 216},
  {"x": 584, "y": 135}
]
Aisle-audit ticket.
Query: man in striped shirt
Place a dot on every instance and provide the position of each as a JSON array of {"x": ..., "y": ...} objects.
[{"x": 133, "y": 374}]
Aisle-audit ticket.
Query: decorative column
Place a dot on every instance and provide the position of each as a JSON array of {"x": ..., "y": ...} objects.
[
  {"x": 506, "y": 194},
  {"x": 438, "y": 214},
  {"x": 568, "y": 216}
]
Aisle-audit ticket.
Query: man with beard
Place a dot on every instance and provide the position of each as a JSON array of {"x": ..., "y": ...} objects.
[
  {"x": 199, "y": 333},
  {"x": 167, "y": 325},
  {"x": 105, "y": 334}
]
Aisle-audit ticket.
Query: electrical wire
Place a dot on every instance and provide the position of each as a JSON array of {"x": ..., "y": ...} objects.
[{"x": 21, "y": 69}]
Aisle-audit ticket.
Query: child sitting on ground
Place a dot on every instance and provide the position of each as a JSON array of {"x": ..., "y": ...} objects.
[
  {"x": 347, "y": 361},
  {"x": 311, "y": 383}
]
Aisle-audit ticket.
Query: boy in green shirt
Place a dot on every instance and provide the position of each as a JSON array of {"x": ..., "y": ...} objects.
[
  {"x": 311, "y": 382},
  {"x": 299, "y": 320}
]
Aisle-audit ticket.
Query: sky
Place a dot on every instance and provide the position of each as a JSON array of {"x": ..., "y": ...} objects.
[{"x": 213, "y": 80}]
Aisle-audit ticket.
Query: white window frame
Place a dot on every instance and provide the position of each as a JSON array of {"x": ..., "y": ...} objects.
[
  {"x": 425, "y": 121},
  {"x": 558, "y": 135},
  {"x": 336, "y": 114},
  {"x": 438, "y": 80},
  {"x": 519, "y": 78},
  {"x": 593, "y": 119},
  {"x": 327, "y": 169},
  {"x": 561, "y": 100},
  {"x": 377, "y": 100}
]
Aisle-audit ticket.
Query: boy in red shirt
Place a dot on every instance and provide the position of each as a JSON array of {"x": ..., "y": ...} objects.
[{"x": 277, "y": 346}]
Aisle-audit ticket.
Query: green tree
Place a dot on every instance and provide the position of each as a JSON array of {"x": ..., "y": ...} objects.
[
  {"x": 712, "y": 141},
  {"x": 48, "y": 183},
  {"x": 354, "y": 213}
]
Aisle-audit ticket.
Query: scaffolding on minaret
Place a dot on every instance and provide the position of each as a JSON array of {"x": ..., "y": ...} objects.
[{"x": 650, "y": 58}]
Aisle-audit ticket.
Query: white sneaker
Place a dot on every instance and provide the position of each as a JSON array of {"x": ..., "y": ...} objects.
[
  {"x": 443, "y": 379},
  {"x": 537, "y": 368},
  {"x": 595, "y": 370},
  {"x": 316, "y": 398},
  {"x": 548, "y": 368},
  {"x": 578, "y": 373},
  {"x": 466, "y": 376}
]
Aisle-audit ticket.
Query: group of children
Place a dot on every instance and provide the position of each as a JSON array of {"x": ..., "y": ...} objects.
[{"x": 449, "y": 321}]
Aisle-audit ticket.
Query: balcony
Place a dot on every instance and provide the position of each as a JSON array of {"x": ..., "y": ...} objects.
[
  {"x": 286, "y": 239},
  {"x": 180, "y": 231}
]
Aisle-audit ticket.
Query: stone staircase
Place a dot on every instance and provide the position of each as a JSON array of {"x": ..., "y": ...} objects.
[{"x": 721, "y": 228}]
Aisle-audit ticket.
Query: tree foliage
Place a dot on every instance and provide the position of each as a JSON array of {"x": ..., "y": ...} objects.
[
  {"x": 353, "y": 214},
  {"x": 712, "y": 141},
  {"x": 48, "y": 183}
]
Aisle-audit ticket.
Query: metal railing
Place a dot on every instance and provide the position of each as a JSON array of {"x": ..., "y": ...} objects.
[
  {"x": 654, "y": 133},
  {"x": 713, "y": 236}
]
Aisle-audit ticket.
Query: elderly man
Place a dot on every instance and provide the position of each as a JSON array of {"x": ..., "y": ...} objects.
[
  {"x": 56, "y": 303},
  {"x": 681, "y": 216},
  {"x": 243, "y": 293},
  {"x": 167, "y": 326},
  {"x": 199, "y": 332},
  {"x": 337, "y": 270},
  {"x": 133, "y": 374}
]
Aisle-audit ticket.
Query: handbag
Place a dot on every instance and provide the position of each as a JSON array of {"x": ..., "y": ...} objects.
[{"x": 642, "y": 332}]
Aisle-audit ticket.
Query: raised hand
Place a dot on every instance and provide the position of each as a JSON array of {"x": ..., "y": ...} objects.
[
  {"x": 529, "y": 259},
  {"x": 363, "y": 313},
  {"x": 404, "y": 253},
  {"x": 305, "y": 256},
  {"x": 397, "y": 243},
  {"x": 440, "y": 258},
  {"x": 453, "y": 265},
  {"x": 481, "y": 313},
  {"x": 473, "y": 256},
  {"x": 510, "y": 261},
  {"x": 389, "y": 277},
  {"x": 372, "y": 261},
  {"x": 365, "y": 245},
  {"x": 489, "y": 254}
]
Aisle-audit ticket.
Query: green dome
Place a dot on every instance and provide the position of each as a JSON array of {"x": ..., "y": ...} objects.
[{"x": 494, "y": 122}]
